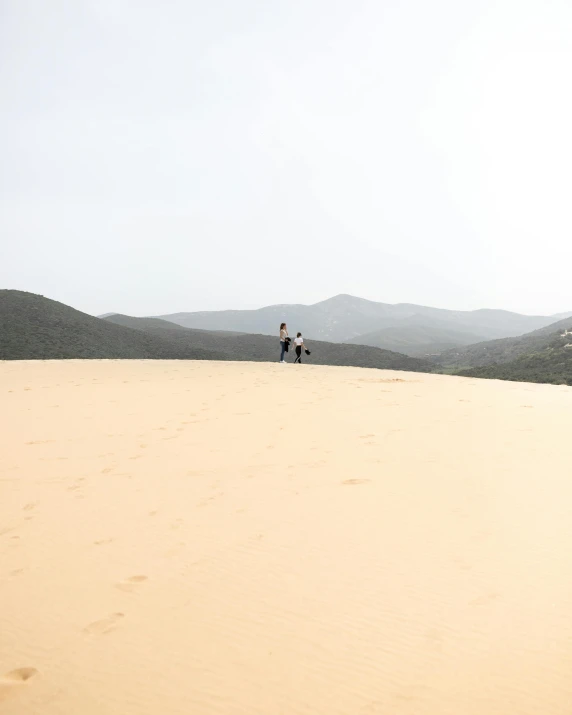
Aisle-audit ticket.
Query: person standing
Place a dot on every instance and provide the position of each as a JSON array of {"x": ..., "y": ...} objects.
[
  {"x": 283, "y": 341},
  {"x": 299, "y": 343}
]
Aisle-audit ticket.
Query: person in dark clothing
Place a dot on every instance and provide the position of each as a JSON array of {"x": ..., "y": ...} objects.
[{"x": 299, "y": 344}]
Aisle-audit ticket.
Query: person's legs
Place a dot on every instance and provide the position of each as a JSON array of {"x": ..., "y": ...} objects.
[
  {"x": 282, "y": 350},
  {"x": 299, "y": 354}
]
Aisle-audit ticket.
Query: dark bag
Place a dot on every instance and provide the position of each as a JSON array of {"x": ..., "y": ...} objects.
[{"x": 307, "y": 352}]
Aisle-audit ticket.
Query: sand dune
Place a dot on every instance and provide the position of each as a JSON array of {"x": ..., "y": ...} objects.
[{"x": 256, "y": 539}]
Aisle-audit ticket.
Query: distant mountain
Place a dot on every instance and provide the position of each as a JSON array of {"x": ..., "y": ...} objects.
[
  {"x": 417, "y": 338},
  {"x": 33, "y": 327},
  {"x": 242, "y": 346},
  {"x": 505, "y": 350},
  {"x": 346, "y": 318},
  {"x": 549, "y": 359}
]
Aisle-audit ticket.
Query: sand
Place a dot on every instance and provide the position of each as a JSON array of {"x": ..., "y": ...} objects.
[{"x": 257, "y": 539}]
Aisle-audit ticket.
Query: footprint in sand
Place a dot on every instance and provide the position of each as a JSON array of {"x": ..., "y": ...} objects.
[
  {"x": 30, "y": 505},
  {"x": 105, "y": 625},
  {"x": 11, "y": 682},
  {"x": 131, "y": 583},
  {"x": 356, "y": 481},
  {"x": 485, "y": 599},
  {"x": 77, "y": 484}
]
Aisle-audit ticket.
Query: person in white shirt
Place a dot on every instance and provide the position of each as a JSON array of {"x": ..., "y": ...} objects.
[
  {"x": 299, "y": 343},
  {"x": 283, "y": 340}
]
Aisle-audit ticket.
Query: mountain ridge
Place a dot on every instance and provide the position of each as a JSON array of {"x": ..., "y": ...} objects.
[{"x": 345, "y": 318}]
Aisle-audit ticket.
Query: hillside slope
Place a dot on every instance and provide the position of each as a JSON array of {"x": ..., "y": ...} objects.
[
  {"x": 553, "y": 364},
  {"x": 505, "y": 350},
  {"x": 33, "y": 327}
]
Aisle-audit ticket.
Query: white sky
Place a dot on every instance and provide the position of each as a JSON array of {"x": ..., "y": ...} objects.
[{"x": 168, "y": 155}]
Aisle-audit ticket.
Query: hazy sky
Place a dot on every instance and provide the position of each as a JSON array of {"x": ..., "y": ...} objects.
[{"x": 168, "y": 155}]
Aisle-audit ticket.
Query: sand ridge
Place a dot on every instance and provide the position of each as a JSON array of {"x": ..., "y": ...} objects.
[{"x": 252, "y": 538}]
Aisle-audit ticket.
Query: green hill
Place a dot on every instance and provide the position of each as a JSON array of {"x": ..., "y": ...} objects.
[
  {"x": 493, "y": 352},
  {"x": 553, "y": 364},
  {"x": 36, "y": 328}
]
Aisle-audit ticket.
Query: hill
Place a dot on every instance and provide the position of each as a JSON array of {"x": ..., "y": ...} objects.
[
  {"x": 552, "y": 364},
  {"x": 36, "y": 328},
  {"x": 492, "y": 352},
  {"x": 33, "y": 327},
  {"x": 241, "y": 346},
  {"x": 346, "y": 318}
]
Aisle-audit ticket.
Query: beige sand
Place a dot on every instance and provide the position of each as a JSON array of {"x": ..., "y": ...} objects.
[{"x": 255, "y": 539}]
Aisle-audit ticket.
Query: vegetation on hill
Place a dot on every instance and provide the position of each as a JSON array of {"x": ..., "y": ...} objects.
[
  {"x": 553, "y": 364},
  {"x": 505, "y": 350},
  {"x": 36, "y": 328}
]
